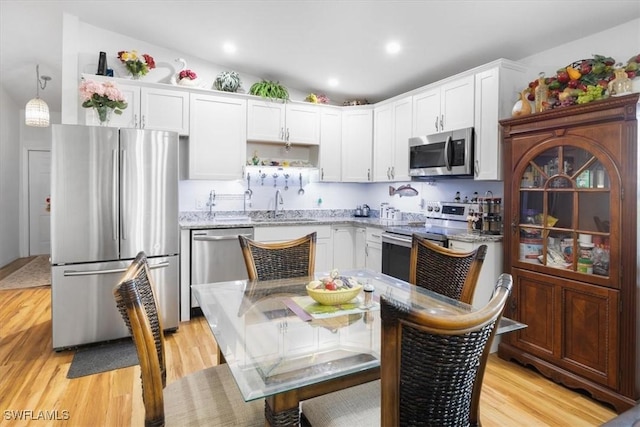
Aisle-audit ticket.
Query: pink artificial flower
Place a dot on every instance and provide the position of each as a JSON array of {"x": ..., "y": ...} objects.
[{"x": 187, "y": 74}]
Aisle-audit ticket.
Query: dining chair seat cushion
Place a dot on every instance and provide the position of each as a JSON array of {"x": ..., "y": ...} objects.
[
  {"x": 210, "y": 397},
  {"x": 352, "y": 407}
]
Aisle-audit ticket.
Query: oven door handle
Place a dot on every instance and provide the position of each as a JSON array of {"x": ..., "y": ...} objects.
[{"x": 394, "y": 240}]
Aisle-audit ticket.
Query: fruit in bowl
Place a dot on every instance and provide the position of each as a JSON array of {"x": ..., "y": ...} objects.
[{"x": 334, "y": 289}]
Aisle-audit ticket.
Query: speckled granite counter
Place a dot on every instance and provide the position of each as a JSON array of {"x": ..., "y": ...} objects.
[
  {"x": 228, "y": 219},
  {"x": 476, "y": 237},
  {"x": 199, "y": 220}
]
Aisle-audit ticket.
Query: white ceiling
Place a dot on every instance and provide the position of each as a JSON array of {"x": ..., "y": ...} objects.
[{"x": 302, "y": 43}]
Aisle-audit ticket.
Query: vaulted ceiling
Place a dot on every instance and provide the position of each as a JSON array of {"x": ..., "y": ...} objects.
[{"x": 304, "y": 43}]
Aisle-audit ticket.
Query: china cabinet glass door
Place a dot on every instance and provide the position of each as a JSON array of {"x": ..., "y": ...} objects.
[{"x": 564, "y": 211}]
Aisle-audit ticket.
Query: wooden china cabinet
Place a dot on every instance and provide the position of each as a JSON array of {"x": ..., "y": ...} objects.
[{"x": 571, "y": 222}]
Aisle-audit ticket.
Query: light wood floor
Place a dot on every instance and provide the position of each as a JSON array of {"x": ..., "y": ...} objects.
[{"x": 33, "y": 378}]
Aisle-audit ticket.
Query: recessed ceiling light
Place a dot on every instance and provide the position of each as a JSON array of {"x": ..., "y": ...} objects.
[
  {"x": 393, "y": 47},
  {"x": 333, "y": 82},
  {"x": 229, "y": 47}
]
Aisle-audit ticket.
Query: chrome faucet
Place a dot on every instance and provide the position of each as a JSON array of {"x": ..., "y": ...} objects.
[
  {"x": 211, "y": 203},
  {"x": 277, "y": 201}
]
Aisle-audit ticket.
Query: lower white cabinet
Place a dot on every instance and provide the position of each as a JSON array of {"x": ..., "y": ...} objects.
[
  {"x": 373, "y": 253},
  {"x": 218, "y": 138},
  {"x": 343, "y": 247},
  {"x": 491, "y": 268},
  {"x": 359, "y": 247},
  {"x": 324, "y": 246}
]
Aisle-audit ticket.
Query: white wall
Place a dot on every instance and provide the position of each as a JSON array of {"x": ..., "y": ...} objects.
[
  {"x": 84, "y": 42},
  {"x": 620, "y": 43},
  {"x": 9, "y": 177}
]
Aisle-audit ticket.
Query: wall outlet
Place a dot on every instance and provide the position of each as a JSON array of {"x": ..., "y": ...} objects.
[{"x": 199, "y": 204}]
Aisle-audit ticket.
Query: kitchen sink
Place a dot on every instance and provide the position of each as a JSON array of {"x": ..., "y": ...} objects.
[{"x": 283, "y": 219}]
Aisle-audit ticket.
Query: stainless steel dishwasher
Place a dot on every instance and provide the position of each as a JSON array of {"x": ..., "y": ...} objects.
[{"x": 216, "y": 256}]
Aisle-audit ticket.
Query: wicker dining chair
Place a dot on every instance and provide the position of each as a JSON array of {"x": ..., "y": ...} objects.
[
  {"x": 204, "y": 398},
  {"x": 445, "y": 271},
  {"x": 280, "y": 260},
  {"x": 431, "y": 370}
]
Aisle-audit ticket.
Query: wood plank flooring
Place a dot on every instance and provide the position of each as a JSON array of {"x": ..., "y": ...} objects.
[{"x": 33, "y": 378}]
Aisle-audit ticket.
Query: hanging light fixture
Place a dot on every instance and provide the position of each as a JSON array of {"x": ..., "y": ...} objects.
[{"x": 37, "y": 111}]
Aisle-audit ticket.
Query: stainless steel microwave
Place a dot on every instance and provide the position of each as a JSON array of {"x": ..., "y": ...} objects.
[{"x": 442, "y": 154}]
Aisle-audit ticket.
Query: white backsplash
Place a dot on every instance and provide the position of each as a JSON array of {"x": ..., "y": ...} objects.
[{"x": 229, "y": 194}]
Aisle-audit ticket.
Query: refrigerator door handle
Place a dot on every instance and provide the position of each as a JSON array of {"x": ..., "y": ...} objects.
[
  {"x": 123, "y": 194},
  {"x": 111, "y": 271},
  {"x": 114, "y": 193}
]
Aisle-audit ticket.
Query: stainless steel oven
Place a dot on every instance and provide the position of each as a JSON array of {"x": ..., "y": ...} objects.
[
  {"x": 442, "y": 220},
  {"x": 396, "y": 252}
]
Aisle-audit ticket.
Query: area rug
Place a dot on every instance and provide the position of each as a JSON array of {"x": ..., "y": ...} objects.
[
  {"x": 36, "y": 273},
  {"x": 102, "y": 358}
]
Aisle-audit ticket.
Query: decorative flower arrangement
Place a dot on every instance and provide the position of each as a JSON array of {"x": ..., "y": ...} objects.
[
  {"x": 137, "y": 65},
  {"x": 582, "y": 81},
  {"x": 317, "y": 99},
  {"x": 105, "y": 97},
  {"x": 187, "y": 74}
]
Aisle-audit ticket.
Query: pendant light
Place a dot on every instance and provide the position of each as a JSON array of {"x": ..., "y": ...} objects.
[{"x": 37, "y": 111}]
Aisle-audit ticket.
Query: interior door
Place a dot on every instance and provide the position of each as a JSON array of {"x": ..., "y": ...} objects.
[{"x": 39, "y": 202}]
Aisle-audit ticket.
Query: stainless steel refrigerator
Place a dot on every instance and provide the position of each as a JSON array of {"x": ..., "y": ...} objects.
[{"x": 114, "y": 192}]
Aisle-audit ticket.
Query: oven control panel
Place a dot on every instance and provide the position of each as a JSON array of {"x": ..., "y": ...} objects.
[{"x": 450, "y": 210}]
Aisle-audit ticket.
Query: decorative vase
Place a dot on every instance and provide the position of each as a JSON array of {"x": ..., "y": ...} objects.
[
  {"x": 188, "y": 82},
  {"x": 541, "y": 94},
  {"x": 103, "y": 113},
  {"x": 621, "y": 84},
  {"x": 522, "y": 107}
]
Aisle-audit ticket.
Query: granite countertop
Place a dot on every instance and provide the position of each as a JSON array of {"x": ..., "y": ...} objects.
[{"x": 202, "y": 220}]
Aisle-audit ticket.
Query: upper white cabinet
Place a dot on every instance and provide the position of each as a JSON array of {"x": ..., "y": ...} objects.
[
  {"x": 444, "y": 107},
  {"x": 495, "y": 93},
  {"x": 392, "y": 130},
  {"x": 330, "y": 144},
  {"x": 357, "y": 144},
  {"x": 283, "y": 122},
  {"x": 217, "y": 144},
  {"x": 149, "y": 108}
]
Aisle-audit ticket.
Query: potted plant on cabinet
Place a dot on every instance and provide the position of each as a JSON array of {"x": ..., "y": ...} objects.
[{"x": 270, "y": 89}]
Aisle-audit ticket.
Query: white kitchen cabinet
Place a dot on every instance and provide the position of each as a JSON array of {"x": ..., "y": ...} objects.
[
  {"x": 324, "y": 246},
  {"x": 217, "y": 144},
  {"x": 357, "y": 144},
  {"x": 392, "y": 130},
  {"x": 444, "y": 107},
  {"x": 149, "y": 108},
  {"x": 330, "y": 144},
  {"x": 283, "y": 122},
  {"x": 359, "y": 247},
  {"x": 343, "y": 247},
  {"x": 491, "y": 268},
  {"x": 374, "y": 249},
  {"x": 495, "y": 93}
]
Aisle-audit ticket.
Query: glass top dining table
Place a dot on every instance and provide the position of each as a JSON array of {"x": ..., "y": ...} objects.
[{"x": 282, "y": 346}]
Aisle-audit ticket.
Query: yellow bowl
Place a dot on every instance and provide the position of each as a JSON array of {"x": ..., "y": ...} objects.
[{"x": 326, "y": 297}]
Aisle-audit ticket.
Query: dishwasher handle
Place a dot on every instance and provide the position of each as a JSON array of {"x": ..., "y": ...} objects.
[{"x": 204, "y": 238}]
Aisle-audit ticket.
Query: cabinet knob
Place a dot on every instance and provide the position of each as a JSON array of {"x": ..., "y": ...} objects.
[
  {"x": 135, "y": 120},
  {"x": 393, "y": 172},
  {"x": 143, "y": 124},
  {"x": 442, "y": 122},
  {"x": 436, "y": 123}
]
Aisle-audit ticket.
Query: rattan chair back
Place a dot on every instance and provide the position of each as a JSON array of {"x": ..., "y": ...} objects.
[
  {"x": 281, "y": 260},
  {"x": 432, "y": 366},
  {"x": 445, "y": 271},
  {"x": 137, "y": 304}
]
